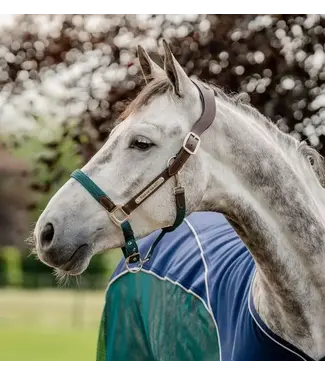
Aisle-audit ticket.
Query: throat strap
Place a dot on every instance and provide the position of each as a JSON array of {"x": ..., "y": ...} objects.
[
  {"x": 130, "y": 250},
  {"x": 180, "y": 216}
]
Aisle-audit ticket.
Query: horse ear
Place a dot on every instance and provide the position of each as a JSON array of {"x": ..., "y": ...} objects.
[
  {"x": 150, "y": 69},
  {"x": 175, "y": 72}
]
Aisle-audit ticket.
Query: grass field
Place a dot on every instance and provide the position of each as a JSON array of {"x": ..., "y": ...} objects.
[
  {"x": 49, "y": 324},
  {"x": 34, "y": 344}
]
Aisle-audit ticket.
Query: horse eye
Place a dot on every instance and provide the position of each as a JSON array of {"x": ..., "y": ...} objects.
[{"x": 141, "y": 143}]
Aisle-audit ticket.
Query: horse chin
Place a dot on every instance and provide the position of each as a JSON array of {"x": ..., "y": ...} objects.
[
  {"x": 74, "y": 270},
  {"x": 78, "y": 262}
]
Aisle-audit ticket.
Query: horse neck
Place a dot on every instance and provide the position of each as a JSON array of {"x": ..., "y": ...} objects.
[{"x": 276, "y": 215}]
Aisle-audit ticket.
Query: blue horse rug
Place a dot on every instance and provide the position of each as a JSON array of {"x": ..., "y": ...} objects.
[{"x": 192, "y": 301}]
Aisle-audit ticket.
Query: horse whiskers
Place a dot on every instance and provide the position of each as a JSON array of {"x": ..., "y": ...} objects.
[
  {"x": 33, "y": 253},
  {"x": 63, "y": 278},
  {"x": 30, "y": 240},
  {"x": 78, "y": 281}
]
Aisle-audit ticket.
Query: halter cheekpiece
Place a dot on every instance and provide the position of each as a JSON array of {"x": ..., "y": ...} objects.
[{"x": 120, "y": 214}]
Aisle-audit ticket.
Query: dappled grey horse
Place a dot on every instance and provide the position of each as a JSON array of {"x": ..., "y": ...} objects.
[{"x": 221, "y": 155}]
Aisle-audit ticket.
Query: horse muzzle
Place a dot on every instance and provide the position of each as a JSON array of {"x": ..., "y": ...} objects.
[{"x": 69, "y": 257}]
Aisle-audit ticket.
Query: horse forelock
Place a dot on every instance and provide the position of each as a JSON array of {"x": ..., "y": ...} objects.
[{"x": 153, "y": 89}]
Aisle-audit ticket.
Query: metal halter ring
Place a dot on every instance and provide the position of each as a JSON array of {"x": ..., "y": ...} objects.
[
  {"x": 135, "y": 269},
  {"x": 169, "y": 163}
]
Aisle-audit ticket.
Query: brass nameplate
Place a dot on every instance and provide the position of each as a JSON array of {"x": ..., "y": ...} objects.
[{"x": 150, "y": 189}]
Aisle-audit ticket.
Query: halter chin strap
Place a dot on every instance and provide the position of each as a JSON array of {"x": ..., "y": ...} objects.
[{"x": 119, "y": 214}]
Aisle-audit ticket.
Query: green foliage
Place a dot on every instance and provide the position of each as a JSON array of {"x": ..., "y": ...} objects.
[
  {"x": 19, "y": 269},
  {"x": 100, "y": 269},
  {"x": 36, "y": 274},
  {"x": 52, "y": 154},
  {"x": 10, "y": 267}
]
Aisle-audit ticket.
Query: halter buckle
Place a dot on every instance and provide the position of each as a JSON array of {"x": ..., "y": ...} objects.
[
  {"x": 179, "y": 190},
  {"x": 115, "y": 219},
  {"x": 197, "y": 138}
]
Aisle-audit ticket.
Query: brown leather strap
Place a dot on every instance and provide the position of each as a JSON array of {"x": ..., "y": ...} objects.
[
  {"x": 146, "y": 192},
  {"x": 209, "y": 108},
  {"x": 107, "y": 203},
  {"x": 180, "y": 198},
  {"x": 203, "y": 123},
  {"x": 191, "y": 143}
]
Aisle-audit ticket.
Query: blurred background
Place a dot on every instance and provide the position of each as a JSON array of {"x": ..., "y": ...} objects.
[{"x": 64, "y": 79}]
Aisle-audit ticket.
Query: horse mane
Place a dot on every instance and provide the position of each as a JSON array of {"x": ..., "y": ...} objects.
[
  {"x": 162, "y": 85},
  {"x": 241, "y": 102},
  {"x": 316, "y": 161}
]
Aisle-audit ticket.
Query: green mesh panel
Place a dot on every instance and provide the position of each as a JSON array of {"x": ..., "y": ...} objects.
[{"x": 146, "y": 318}]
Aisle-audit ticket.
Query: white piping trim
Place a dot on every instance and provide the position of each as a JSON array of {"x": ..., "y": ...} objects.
[
  {"x": 206, "y": 280},
  {"x": 163, "y": 279},
  {"x": 166, "y": 278},
  {"x": 270, "y": 337}
]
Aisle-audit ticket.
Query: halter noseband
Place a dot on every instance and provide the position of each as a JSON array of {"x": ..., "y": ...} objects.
[{"x": 119, "y": 214}]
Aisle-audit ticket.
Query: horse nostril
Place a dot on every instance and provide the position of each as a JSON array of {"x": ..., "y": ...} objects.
[{"x": 47, "y": 234}]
